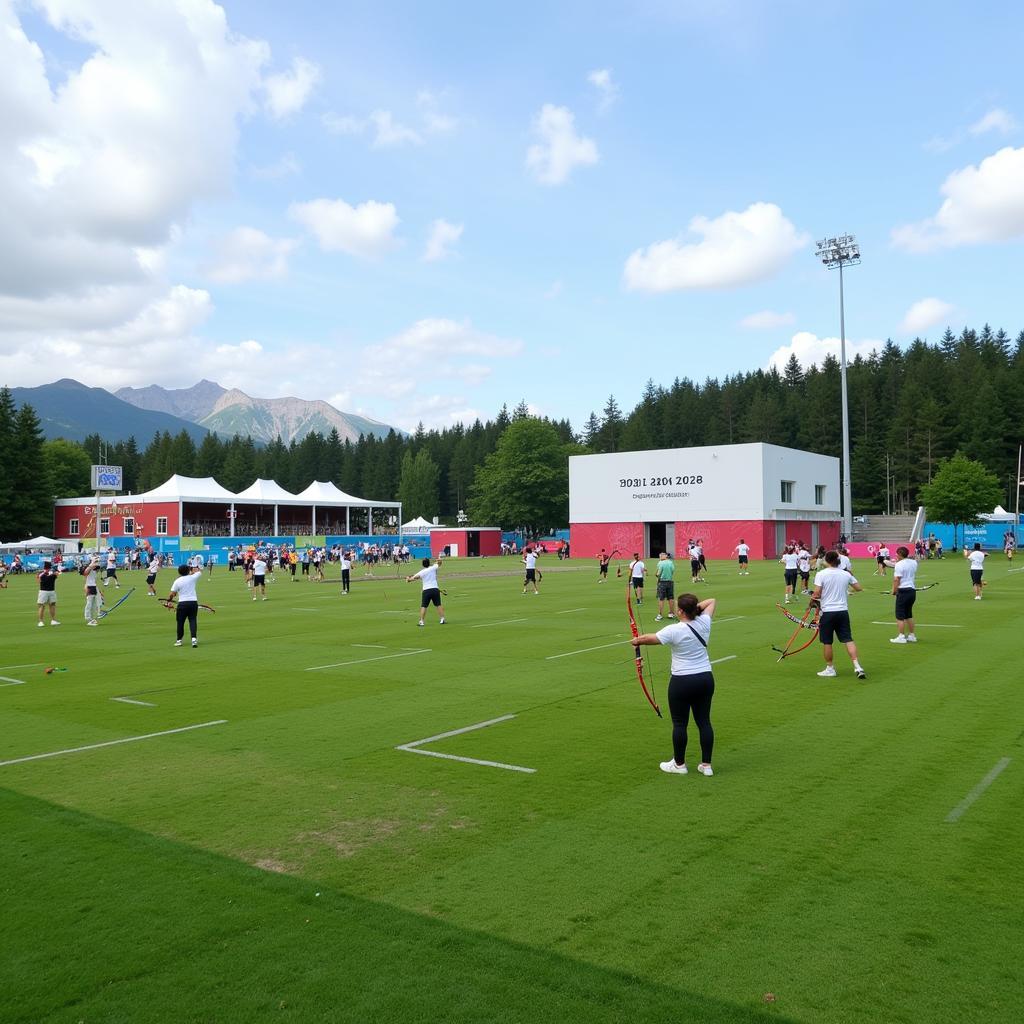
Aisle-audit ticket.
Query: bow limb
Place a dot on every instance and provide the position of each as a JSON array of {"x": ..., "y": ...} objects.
[{"x": 639, "y": 655}]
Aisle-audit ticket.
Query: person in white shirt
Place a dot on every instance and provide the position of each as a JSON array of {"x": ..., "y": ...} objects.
[
  {"x": 530, "y": 561},
  {"x": 691, "y": 685},
  {"x": 743, "y": 553},
  {"x": 804, "y": 568},
  {"x": 346, "y": 571},
  {"x": 91, "y": 591},
  {"x": 637, "y": 572},
  {"x": 881, "y": 560},
  {"x": 259, "y": 577},
  {"x": 151, "y": 571},
  {"x": 111, "y": 569},
  {"x": 694, "y": 552},
  {"x": 844, "y": 561},
  {"x": 831, "y": 587},
  {"x": 184, "y": 589},
  {"x": 903, "y": 575},
  {"x": 790, "y": 561},
  {"x": 976, "y": 557},
  {"x": 431, "y": 591}
]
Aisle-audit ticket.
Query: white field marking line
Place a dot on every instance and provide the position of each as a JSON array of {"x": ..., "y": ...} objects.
[
  {"x": 1021, "y": 569},
  {"x": 567, "y": 611},
  {"x": 929, "y": 625},
  {"x": 361, "y": 661},
  {"x": 961, "y": 808},
  {"x": 307, "y": 609},
  {"x": 379, "y": 647},
  {"x": 569, "y": 654},
  {"x": 732, "y": 618},
  {"x": 728, "y": 657},
  {"x": 416, "y": 745},
  {"x": 113, "y": 743},
  {"x": 31, "y": 664},
  {"x": 500, "y": 622},
  {"x": 128, "y": 700},
  {"x": 8, "y": 681}
]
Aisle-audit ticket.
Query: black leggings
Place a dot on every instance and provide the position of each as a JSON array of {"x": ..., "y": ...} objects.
[
  {"x": 187, "y": 610},
  {"x": 686, "y": 693}
]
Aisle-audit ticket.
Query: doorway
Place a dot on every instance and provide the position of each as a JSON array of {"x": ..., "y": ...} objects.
[
  {"x": 473, "y": 543},
  {"x": 657, "y": 539}
]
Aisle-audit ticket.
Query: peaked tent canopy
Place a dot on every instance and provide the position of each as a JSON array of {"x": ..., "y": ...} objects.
[
  {"x": 321, "y": 493},
  {"x": 188, "y": 488},
  {"x": 267, "y": 491},
  {"x": 417, "y": 525}
]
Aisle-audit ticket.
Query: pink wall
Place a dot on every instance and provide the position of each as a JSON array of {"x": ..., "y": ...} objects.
[
  {"x": 587, "y": 539},
  {"x": 828, "y": 534},
  {"x": 720, "y": 538},
  {"x": 490, "y": 541}
]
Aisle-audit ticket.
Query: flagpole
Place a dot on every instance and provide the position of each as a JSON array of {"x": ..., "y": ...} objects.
[{"x": 1016, "y": 515}]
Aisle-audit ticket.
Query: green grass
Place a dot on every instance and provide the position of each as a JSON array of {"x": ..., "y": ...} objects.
[{"x": 293, "y": 865}]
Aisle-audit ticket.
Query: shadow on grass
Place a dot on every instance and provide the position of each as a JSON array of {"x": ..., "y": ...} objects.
[{"x": 102, "y": 924}]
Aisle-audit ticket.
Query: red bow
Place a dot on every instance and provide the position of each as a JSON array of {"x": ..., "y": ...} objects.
[
  {"x": 639, "y": 654},
  {"x": 809, "y": 620}
]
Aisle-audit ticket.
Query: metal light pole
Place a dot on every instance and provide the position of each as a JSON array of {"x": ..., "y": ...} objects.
[{"x": 839, "y": 252}]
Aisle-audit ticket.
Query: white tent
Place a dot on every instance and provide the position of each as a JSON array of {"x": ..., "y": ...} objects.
[
  {"x": 187, "y": 488},
  {"x": 417, "y": 525},
  {"x": 42, "y": 542},
  {"x": 268, "y": 492},
  {"x": 320, "y": 493},
  {"x": 999, "y": 515}
]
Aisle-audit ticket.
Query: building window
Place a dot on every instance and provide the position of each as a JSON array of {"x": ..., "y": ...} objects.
[
  {"x": 161, "y": 524},
  {"x": 129, "y": 526},
  {"x": 787, "y": 491},
  {"x": 73, "y": 528},
  {"x": 819, "y": 494},
  {"x": 104, "y": 525}
]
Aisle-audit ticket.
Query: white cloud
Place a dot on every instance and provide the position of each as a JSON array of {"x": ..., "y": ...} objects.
[
  {"x": 366, "y": 230},
  {"x": 343, "y": 124},
  {"x": 287, "y": 91},
  {"x": 387, "y": 131},
  {"x": 767, "y": 319},
  {"x": 810, "y": 350},
  {"x": 434, "y": 121},
  {"x": 560, "y": 149},
  {"x": 284, "y": 167},
  {"x": 607, "y": 89},
  {"x": 997, "y": 120},
  {"x": 248, "y": 254},
  {"x": 736, "y": 249},
  {"x": 924, "y": 314},
  {"x": 983, "y": 203},
  {"x": 442, "y": 241}
]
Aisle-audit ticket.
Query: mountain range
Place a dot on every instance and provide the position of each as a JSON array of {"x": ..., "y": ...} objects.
[{"x": 229, "y": 412}]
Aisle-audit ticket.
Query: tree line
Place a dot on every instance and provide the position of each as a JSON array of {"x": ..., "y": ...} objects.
[{"x": 909, "y": 410}]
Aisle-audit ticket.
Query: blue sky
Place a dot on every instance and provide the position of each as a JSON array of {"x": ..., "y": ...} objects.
[{"x": 419, "y": 212}]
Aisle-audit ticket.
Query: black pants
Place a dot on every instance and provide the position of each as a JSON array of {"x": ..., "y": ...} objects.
[
  {"x": 344, "y": 580},
  {"x": 187, "y": 610},
  {"x": 686, "y": 693}
]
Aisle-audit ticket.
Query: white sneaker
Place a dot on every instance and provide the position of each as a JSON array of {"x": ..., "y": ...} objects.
[
  {"x": 657, "y": 618},
  {"x": 177, "y": 643},
  {"x": 420, "y": 623},
  {"x": 40, "y": 624},
  {"x": 977, "y": 597},
  {"x": 901, "y": 639},
  {"x": 828, "y": 672},
  {"x": 672, "y": 768},
  {"x": 440, "y": 622},
  {"x": 705, "y": 769},
  {"x": 911, "y": 638},
  {"x": 859, "y": 672},
  {"x": 54, "y": 622},
  {"x": 195, "y": 642},
  {"x": 92, "y": 622}
]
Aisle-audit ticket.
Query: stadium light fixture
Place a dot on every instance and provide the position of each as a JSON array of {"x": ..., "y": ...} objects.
[{"x": 838, "y": 252}]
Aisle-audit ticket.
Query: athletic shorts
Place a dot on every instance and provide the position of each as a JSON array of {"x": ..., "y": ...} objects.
[
  {"x": 111, "y": 574},
  {"x": 305, "y": 567},
  {"x": 47, "y": 597},
  {"x": 151, "y": 579},
  {"x": 880, "y": 559},
  {"x": 837, "y": 624},
  {"x": 91, "y": 591},
  {"x": 905, "y": 598},
  {"x": 743, "y": 559},
  {"x": 604, "y": 570},
  {"x": 431, "y": 597},
  {"x": 531, "y": 575},
  {"x": 694, "y": 566},
  {"x": 637, "y": 581},
  {"x": 666, "y": 590},
  {"x": 976, "y": 576},
  {"x": 258, "y": 581},
  {"x": 791, "y": 575},
  {"x": 805, "y": 575}
]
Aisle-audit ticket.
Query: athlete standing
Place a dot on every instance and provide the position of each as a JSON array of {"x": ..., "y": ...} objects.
[
  {"x": 431, "y": 594},
  {"x": 47, "y": 594},
  {"x": 151, "y": 571},
  {"x": 346, "y": 571},
  {"x": 187, "y": 610},
  {"x": 602, "y": 566},
  {"x": 976, "y": 557},
  {"x": 831, "y": 589},
  {"x": 637, "y": 572},
  {"x": 903, "y": 575},
  {"x": 743, "y": 552},
  {"x": 665, "y": 571},
  {"x": 790, "y": 561},
  {"x": 92, "y": 592},
  {"x": 530, "y": 561}
]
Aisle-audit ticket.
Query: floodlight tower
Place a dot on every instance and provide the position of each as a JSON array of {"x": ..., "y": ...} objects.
[{"x": 839, "y": 252}]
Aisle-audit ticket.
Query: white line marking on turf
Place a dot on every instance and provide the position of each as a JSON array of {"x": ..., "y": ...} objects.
[
  {"x": 569, "y": 654},
  {"x": 728, "y": 657},
  {"x": 961, "y": 808},
  {"x": 31, "y": 664},
  {"x": 113, "y": 743},
  {"x": 732, "y": 618},
  {"x": 307, "y": 609},
  {"x": 1021, "y": 569},
  {"x": 361, "y": 661},
  {"x": 929, "y": 625},
  {"x": 568, "y": 610},
  {"x": 416, "y": 745},
  {"x": 500, "y": 622},
  {"x": 377, "y": 647},
  {"x": 128, "y": 700},
  {"x": 8, "y": 681}
]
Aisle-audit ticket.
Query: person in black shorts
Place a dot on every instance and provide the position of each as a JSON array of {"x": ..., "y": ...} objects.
[
  {"x": 831, "y": 589},
  {"x": 602, "y": 566},
  {"x": 431, "y": 594}
]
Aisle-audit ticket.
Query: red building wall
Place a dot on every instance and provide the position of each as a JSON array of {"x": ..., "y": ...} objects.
[
  {"x": 490, "y": 541},
  {"x": 145, "y": 515}
]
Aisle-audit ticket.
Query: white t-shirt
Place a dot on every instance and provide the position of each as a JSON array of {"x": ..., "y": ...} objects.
[
  {"x": 834, "y": 585},
  {"x": 428, "y": 577},
  {"x": 742, "y": 549},
  {"x": 791, "y": 560},
  {"x": 346, "y": 562},
  {"x": 883, "y": 552},
  {"x": 154, "y": 565},
  {"x": 530, "y": 559},
  {"x": 185, "y": 587},
  {"x": 845, "y": 564},
  {"x": 259, "y": 567},
  {"x": 111, "y": 560},
  {"x": 977, "y": 560},
  {"x": 804, "y": 557},
  {"x": 905, "y": 571},
  {"x": 90, "y": 578},
  {"x": 689, "y": 655},
  {"x": 637, "y": 569}
]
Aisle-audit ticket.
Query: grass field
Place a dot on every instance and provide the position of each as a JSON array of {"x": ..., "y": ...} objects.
[{"x": 289, "y": 863}]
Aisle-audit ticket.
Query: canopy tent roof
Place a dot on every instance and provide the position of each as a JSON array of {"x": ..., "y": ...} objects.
[
  {"x": 267, "y": 491},
  {"x": 43, "y": 542},
  {"x": 188, "y": 488},
  {"x": 998, "y": 515},
  {"x": 321, "y": 493},
  {"x": 418, "y": 525}
]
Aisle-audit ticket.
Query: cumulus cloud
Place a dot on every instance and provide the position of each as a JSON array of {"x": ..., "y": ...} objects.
[
  {"x": 810, "y": 350},
  {"x": 284, "y": 167},
  {"x": 607, "y": 89},
  {"x": 287, "y": 91},
  {"x": 560, "y": 149},
  {"x": 998, "y": 120},
  {"x": 983, "y": 203},
  {"x": 366, "y": 230},
  {"x": 248, "y": 254},
  {"x": 767, "y": 319},
  {"x": 442, "y": 241},
  {"x": 735, "y": 249},
  {"x": 385, "y": 130},
  {"x": 924, "y": 314},
  {"x": 435, "y": 121}
]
